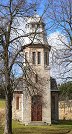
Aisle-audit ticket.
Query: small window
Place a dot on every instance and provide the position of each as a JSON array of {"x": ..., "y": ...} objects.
[
  {"x": 39, "y": 57},
  {"x": 34, "y": 57},
  {"x": 27, "y": 26},
  {"x": 33, "y": 25},
  {"x": 17, "y": 102},
  {"x": 46, "y": 58}
]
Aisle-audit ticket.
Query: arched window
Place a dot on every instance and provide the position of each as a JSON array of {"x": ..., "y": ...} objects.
[
  {"x": 34, "y": 57},
  {"x": 17, "y": 102},
  {"x": 46, "y": 62},
  {"x": 39, "y": 57}
]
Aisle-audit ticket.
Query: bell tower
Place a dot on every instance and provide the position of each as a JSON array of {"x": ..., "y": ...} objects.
[
  {"x": 37, "y": 55},
  {"x": 41, "y": 106},
  {"x": 37, "y": 48}
]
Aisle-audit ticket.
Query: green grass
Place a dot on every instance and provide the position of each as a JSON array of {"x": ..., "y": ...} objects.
[
  {"x": 62, "y": 128},
  {"x": 2, "y": 103}
]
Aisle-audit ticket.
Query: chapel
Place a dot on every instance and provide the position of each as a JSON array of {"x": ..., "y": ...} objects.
[{"x": 35, "y": 100}]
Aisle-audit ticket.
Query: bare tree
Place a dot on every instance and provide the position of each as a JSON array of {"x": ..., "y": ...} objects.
[
  {"x": 12, "y": 14},
  {"x": 12, "y": 37},
  {"x": 60, "y": 17}
]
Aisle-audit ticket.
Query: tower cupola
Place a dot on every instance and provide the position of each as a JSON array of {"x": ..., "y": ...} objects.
[
  {"x": 36, "y": 27},
  {"x": 37, "y": 50}
]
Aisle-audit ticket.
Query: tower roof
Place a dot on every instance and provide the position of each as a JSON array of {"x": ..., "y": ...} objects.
[
  {"x": 38, "y": 37},
  {"x": 38, "y": 45},
  {"x": 36, "y": 18}
]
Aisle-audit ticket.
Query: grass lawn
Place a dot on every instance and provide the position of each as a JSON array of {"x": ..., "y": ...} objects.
[
  {"x": 61, "y": 128},
  {"x": 64, "y": 127},
  {"x": 2, "y": 103}
]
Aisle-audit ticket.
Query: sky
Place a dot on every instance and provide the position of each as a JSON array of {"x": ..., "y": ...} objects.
[
  {"x": 56, "y": 45},
  {"x": 52, "y": 34}
]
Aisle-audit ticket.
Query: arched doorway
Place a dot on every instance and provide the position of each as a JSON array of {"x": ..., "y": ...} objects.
[{"x": 36, "y": 108}]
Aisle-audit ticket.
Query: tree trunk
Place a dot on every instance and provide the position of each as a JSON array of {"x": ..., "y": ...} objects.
[{"x": 8, "y": 114}]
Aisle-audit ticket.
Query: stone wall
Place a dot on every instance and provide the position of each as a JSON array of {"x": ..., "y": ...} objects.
[
  {"x": 17, "y": 113},
  {"x": 26, "y": 109},
  {"x": 43, "y": 84},
  {"x": 42, "y": 88},
  {"x": 65, "y": 110}
]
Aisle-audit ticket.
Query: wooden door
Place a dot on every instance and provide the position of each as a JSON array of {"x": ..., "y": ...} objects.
[
  {"x": 36, "y": 108},
  {"x": 39, "y": 112}
]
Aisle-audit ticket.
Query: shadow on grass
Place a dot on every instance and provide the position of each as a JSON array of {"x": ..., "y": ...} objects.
[{"x": 63, "y": 122}]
